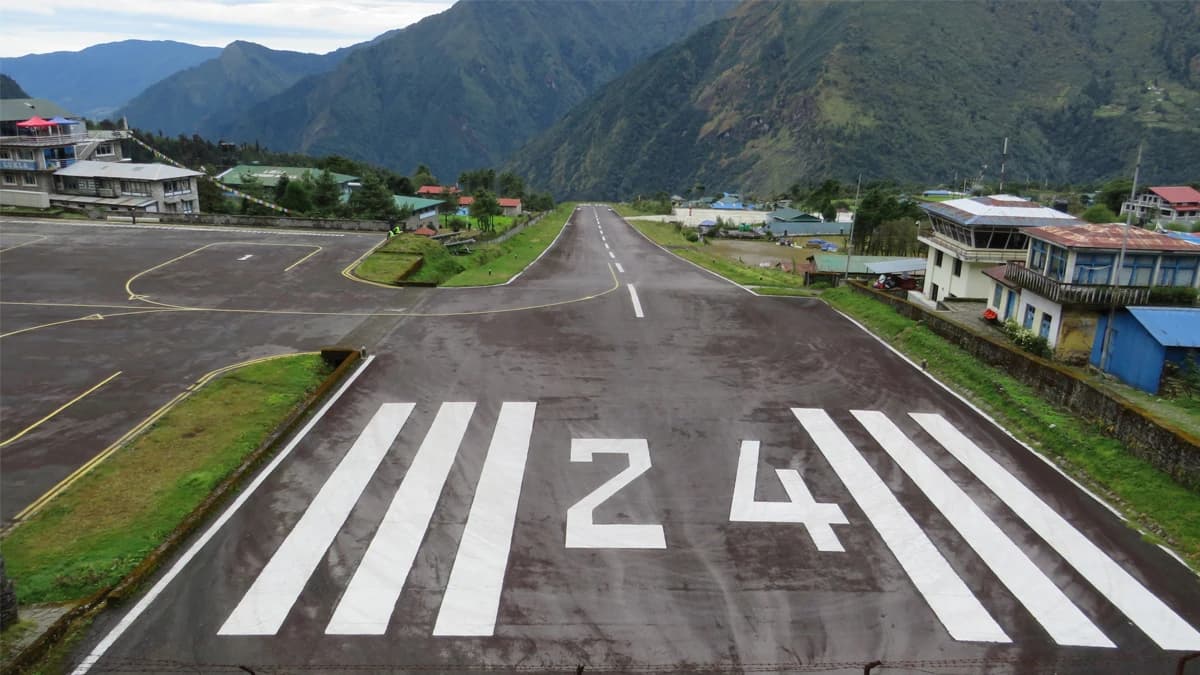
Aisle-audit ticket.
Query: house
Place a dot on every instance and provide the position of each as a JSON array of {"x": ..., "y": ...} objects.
[
  {"x": 730, "y": 201},
  {"x": 422, "y": 211},
  {"x": 37, "y": 138},
  {"x": 788, "y": 222},
  {"x": 972, "y": 234},
  {"x": 1144, "y": 340},
  {"x": 269, "y": 176},
  {"x": 1066, "y": 281},
  {"x": 831, "y": 267},
  {"x": 1158, "y": 205},
  {"x": 509, "y": 206},
  {"x": 435, "y": 190},
  {"x": 154, "y": 187}
]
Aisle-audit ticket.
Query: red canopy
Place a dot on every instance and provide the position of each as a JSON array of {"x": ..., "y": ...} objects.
[{"x": 35, "y": 121}]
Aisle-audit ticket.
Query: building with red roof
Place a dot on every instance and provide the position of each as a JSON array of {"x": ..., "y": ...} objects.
[
  {"x": 1159, "y": 205},
  {"x": 509, "y": 206},
  {"x": 1069, "y": 278},
  {"x": 427, "y": 190}
]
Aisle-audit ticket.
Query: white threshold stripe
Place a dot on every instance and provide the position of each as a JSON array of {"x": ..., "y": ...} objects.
[
  {"x": 472, "y": 599},
  {"x": 959, "y": 611},
  {"x": 1045, "y": 601},
  {"x": 366, "y": 606},
  {"x": 1160, "y": 623},
  {"x": 637, "y": 304},
  {"x": 270, "y": 598},
  {"x": 94, "y": 656},
  {"x": 619, "y": 268}
]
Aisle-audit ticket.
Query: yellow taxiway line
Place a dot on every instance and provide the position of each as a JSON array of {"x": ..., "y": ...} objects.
[{"x": 61, "y": 408}]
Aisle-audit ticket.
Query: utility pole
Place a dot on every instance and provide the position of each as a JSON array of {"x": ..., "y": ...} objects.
[
  {"x": 1003, "y": 159},
  {"x": 1106, "y": 345},
  {"x": 853, "y": 220}
]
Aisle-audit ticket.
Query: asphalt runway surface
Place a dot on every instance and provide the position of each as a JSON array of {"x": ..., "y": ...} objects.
[{"x": 622, "y": 462}]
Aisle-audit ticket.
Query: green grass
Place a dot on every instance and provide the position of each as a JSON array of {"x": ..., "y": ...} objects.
[
  {"x": 629, "y": 211},
  {"x": 53, "y": 212},
  {"x": 1146, "y": 495},
  {"x": 386, "y": 268},
  {"x": 491, "y": 264},
  {"x": 665, "y": 234},
  {"x": 105, "y": 524},
  {"x": 795, "y": 292}
]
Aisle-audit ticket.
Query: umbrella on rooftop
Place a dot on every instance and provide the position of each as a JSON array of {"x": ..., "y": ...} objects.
[
  {"x": 63, "y": 120},
  {"x": 35, "y": 121}
]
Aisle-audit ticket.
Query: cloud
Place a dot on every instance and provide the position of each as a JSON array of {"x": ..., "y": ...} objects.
[{"x": 302, "y": 25}]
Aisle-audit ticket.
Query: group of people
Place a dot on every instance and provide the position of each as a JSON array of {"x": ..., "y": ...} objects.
[{"x": 394, "y": 230}]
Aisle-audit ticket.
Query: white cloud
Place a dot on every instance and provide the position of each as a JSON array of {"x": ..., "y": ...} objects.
[{"x": 302, "y": 25}]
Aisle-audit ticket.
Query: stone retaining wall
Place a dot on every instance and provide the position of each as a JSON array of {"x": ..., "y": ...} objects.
[
  {"x": 229, "y": 220},
  {"x": 1172, "y": 450}
]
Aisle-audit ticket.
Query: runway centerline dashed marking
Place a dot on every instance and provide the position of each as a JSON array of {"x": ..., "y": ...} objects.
[
  {"x": 619, "y": 268},
  {"x": 246, "y": 257},
  {"x": 637, "y": 305},
  {"x": 612, "y": 255}
]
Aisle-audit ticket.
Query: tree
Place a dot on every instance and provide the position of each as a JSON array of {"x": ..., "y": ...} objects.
[
  {"x": 297, "y": 197},
  {"x": 536, "y": 201},
  {"x": 1098, "y": 213},
  {"x": 325, "y": 193},
  {"x": 373, "y": 200},
  {"x": 511, "y": 185},
  {"x": 212, "y": 200},
  {"x": 484, "y": 208},
  {"x": 1114, "y": 193},
  {"x": 281, "y": 188},
  {"x": 829, "y": 212},
  {"x": 423, "y": 176}
]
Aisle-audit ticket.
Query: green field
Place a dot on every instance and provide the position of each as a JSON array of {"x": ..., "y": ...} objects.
[
  {"x": 1146, "y": 495},
  {"x": 666, "y": 235},
  {"x": 101, "y": 527},
  {"x": 491, "y": 264}
]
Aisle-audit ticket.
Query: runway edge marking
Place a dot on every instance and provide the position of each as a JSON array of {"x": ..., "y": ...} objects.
[{"x": 94, "y": 656}]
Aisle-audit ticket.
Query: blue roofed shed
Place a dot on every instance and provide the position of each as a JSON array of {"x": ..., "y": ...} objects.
[{"x": 1144, "y": 339}]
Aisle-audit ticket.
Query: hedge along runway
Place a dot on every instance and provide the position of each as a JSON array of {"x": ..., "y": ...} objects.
[{"x": 641, "y": 481}]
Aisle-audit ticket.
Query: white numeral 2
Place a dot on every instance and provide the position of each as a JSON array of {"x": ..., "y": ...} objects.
[
  {"x": 800, "y": 507},
  {"x": 582, "y": 530}
]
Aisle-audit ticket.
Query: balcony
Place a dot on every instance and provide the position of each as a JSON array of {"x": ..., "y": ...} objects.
[
  {"x": 1075, "y": 294},
  {"x": 970, "y": 253},
  {"x": 44, "y": 141}
]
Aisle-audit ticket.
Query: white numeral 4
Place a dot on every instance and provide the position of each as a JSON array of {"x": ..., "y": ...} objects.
[
  {"x": 582, "y": 530},
  {"x": 818, "y": 518}
]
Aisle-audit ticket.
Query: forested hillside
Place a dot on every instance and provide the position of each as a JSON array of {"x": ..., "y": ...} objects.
[{"x": 922, "y": 92}]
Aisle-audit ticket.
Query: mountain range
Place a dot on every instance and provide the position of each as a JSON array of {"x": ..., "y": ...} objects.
[
  {"x": 785, "y": 92},
  {"x": 94, "y": 82}
]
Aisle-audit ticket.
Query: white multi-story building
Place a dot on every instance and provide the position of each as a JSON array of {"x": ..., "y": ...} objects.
[
  {"x": 973, "y": 234},
  {"x": 1160, "y": 205},
  {"x": 1066, "y": 280},
  {"x": 155, "y": 188}
]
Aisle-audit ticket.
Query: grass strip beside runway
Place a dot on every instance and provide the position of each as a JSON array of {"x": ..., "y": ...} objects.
[
  {"x": 105, "y": 524},
  {"x": 665, "y": 234},
  {"x": 492, "y": 264},
  {"x": 1144, "y": 494}
]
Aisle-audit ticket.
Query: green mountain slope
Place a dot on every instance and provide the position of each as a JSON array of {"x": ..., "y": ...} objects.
[
  {"x": 464, "y": 88},
  {"x": 784, "y": 92},
  {"x": 10, "y": 89},
  {"x": 97, "y": 80},
  {"x": 203, "y": 99}
]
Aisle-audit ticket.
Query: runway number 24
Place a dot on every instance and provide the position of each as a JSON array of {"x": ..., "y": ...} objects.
[{"x": 584, "y": 532}]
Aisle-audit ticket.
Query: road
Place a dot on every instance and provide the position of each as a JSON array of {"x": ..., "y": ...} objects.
[{"x": 622, "y": 462}]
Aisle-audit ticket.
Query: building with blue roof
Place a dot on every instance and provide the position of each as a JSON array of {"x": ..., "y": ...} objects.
[{"x": 1144, "y": 340}]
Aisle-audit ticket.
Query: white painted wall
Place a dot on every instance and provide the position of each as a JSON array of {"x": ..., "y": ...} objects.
[
  {"x": 1042, "y": 306},
  {"x": 697, "y": 216},
  {"x": 26, "y": 198}
]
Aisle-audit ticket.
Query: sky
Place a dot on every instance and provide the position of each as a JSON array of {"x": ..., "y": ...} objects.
[{"x": 316, "y": 26}]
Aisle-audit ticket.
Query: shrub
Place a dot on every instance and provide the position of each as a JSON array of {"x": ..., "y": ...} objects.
[
  {"x": 1173, "y": 295},
  {"x": 820, "y": 285},
  {"x": 1027, "y": 339},
  {"x": 692, "y": 237}
]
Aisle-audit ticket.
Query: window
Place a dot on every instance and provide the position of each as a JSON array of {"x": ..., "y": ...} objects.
[
  {"x": 104, "y": 150},
  {"x": 1044, "y": 329},
  {"x": 997, "y": 296},
  {"x": 5, "y": 154},
  {"x": 1029, "y": 314},
  {"x": 937, "y": 258},
  {"x": 1178, "y": 271},
  {"x": 188, "y": 206},
  {"x": 957, "y": 267},
  {"x": 135, "y": 187},
  {"x": 30, "y": 179},
  {"x": 10, "y": 179},
  {"x": 1093, "y": 268},
  {"x": 177, "y": 187},
  {"x": 1037, "y": 256},
  {"x": 25, "y": 154},
  {"x": 1058, "y": 263},
  {"x": 1137, "y": 270}
]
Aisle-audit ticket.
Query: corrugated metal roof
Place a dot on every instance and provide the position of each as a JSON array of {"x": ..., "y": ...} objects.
[
  {"x": 91, "y": 169},
  {"x": 999, "y": 210},
  {"x": 1171, "y": 326},
  {"x": 1108, "y": 236},
  {"x": 1178, "y": 194},
  {"x": 897, "y": 266},
  {"x": 20, "y": 109},
  {"x": 415, "y": 203},
  {"x": 833, "y": 262},
  {"x": 268, "y": 176}
]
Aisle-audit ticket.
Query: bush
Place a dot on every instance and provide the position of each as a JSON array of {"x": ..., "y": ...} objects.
[
  {"x": 692, "y": 237},
  {"x": 1173, "y": 295},
  {"x": 820, "y": 285},
  {"x": 1027, "y": 339}
]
